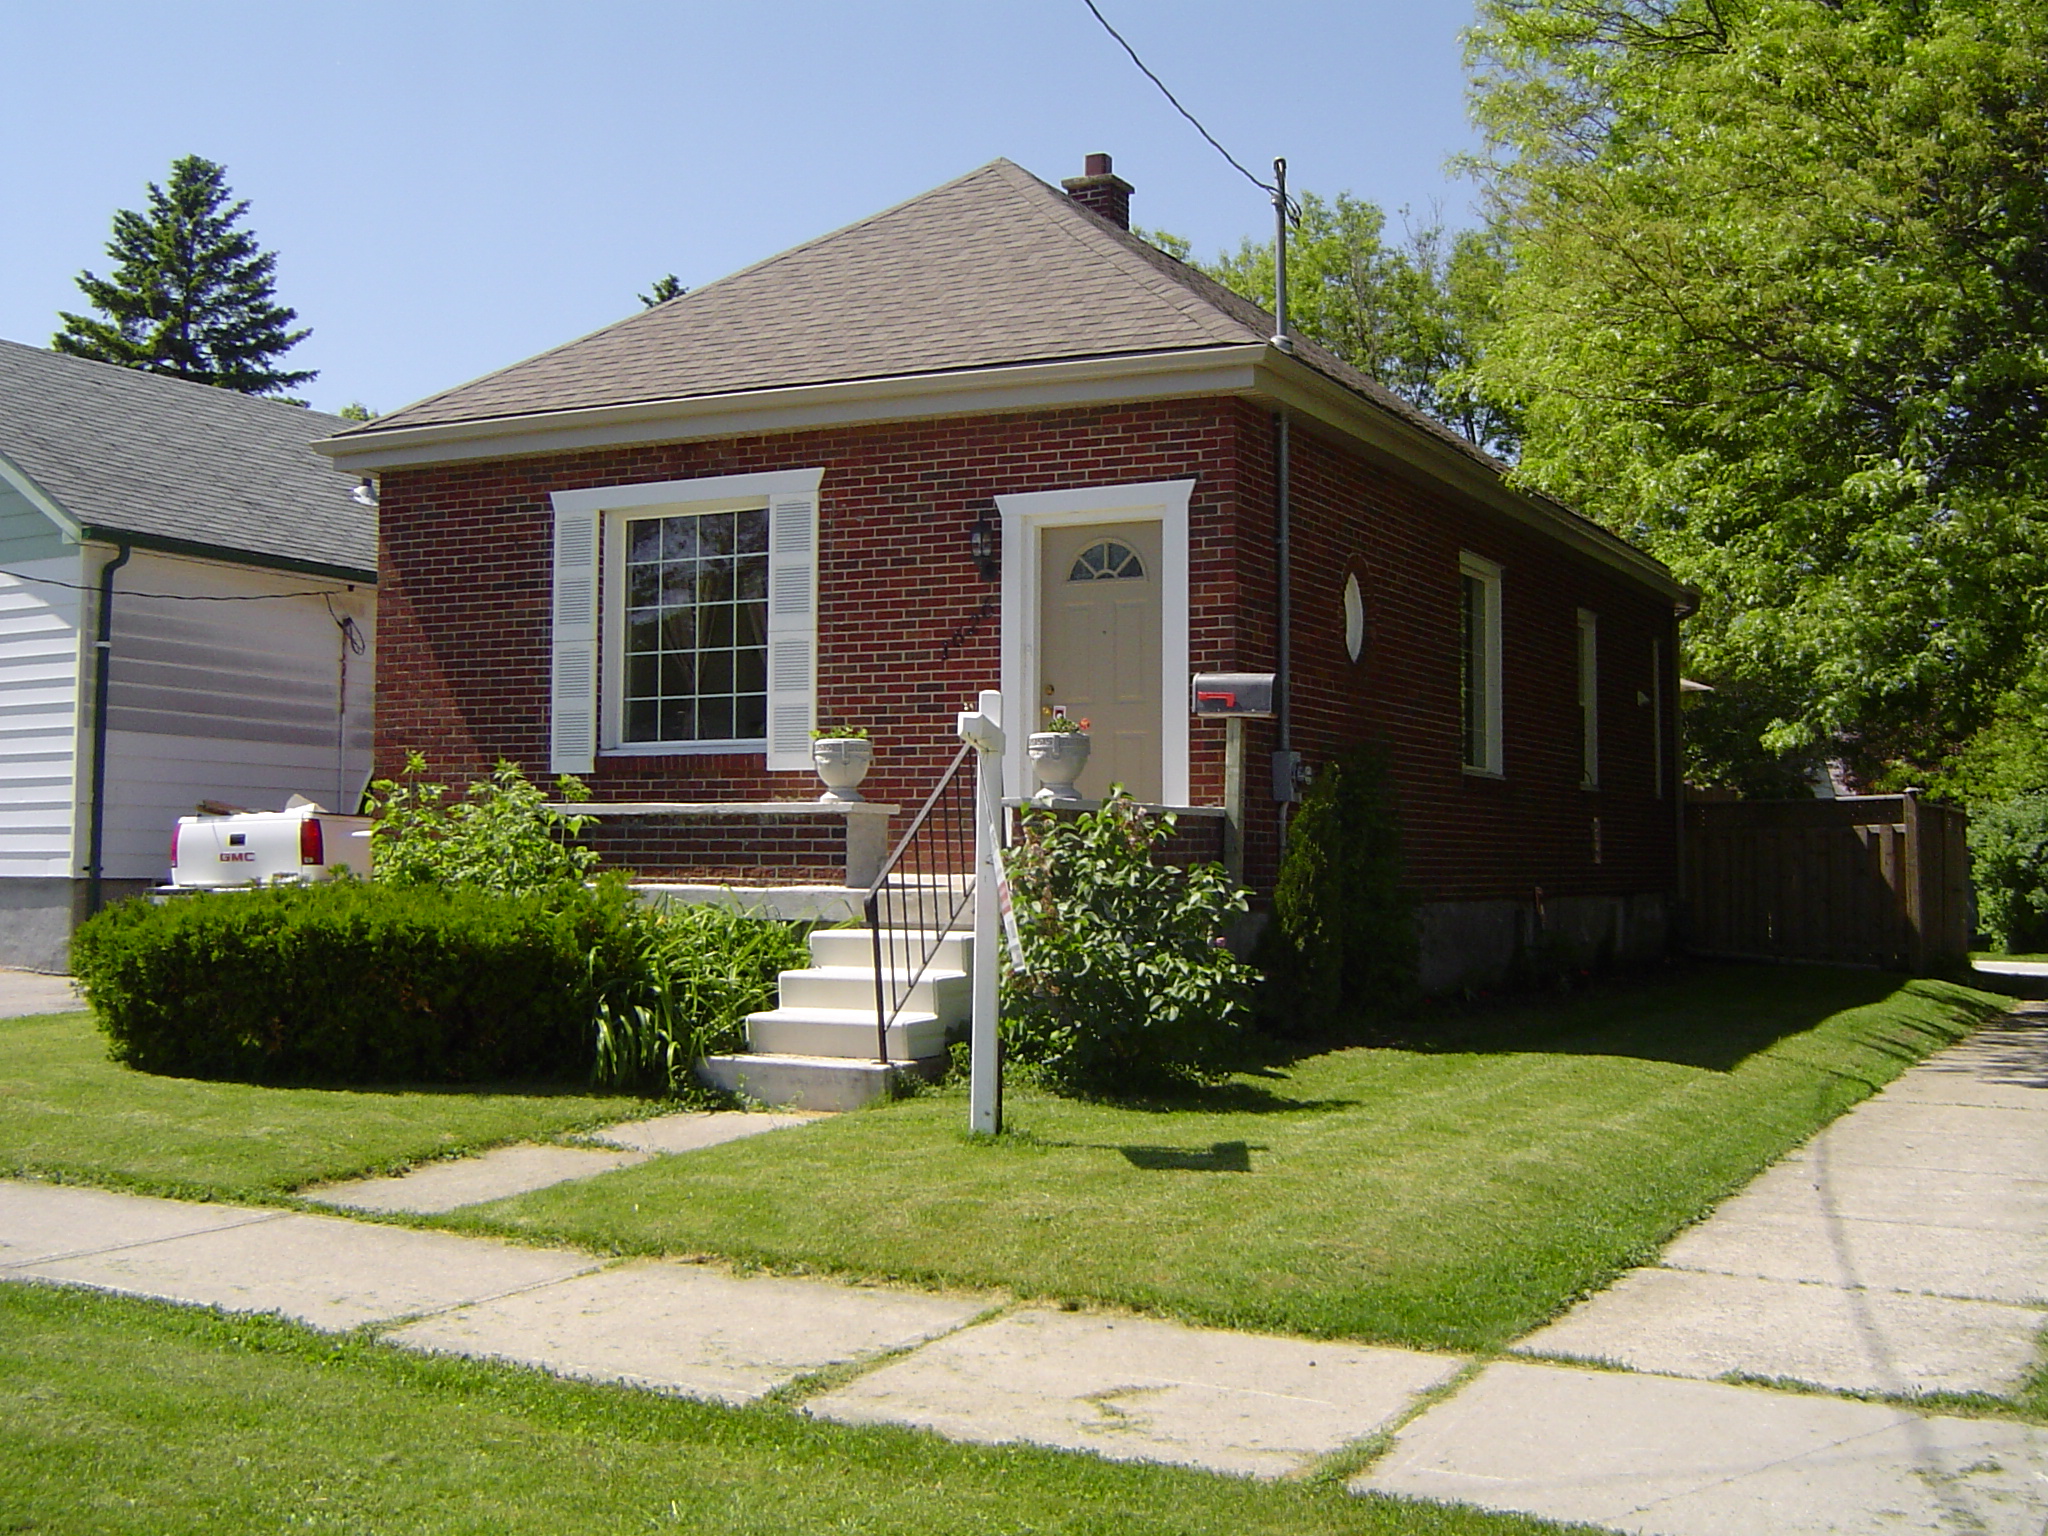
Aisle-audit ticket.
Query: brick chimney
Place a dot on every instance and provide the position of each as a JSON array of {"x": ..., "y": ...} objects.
[{"x": 1101, "y": 191}]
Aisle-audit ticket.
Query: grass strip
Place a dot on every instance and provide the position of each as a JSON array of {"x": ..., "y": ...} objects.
[
  {"x": 69, "y": 1113},
  {"x": 1453, "y": 1190},
  {"x": 128, "y": 1416}
]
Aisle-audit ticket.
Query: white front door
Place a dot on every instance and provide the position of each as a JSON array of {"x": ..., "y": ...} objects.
[{"x": 1099, "y": 634}]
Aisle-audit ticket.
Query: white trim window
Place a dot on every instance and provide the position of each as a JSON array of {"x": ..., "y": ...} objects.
[
  {"x": 1589, "y": 700},
  {"x": 709, "y": 619},
  {"x": 1479, "y": 664}
]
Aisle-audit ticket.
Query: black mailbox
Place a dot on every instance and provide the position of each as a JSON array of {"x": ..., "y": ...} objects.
[{"x": 1247, "y": 695}]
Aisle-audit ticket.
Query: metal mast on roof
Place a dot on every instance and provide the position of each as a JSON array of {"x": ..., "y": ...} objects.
[{"x": 1282, "y": 338}]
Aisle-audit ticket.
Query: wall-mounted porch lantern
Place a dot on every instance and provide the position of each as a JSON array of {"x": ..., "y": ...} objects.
[{"x": 985, "y": 543}]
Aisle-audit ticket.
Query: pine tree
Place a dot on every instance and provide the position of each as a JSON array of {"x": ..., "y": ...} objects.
[
  {"x": 667, "y": 286},
  {"x": 191, "y": 294}
]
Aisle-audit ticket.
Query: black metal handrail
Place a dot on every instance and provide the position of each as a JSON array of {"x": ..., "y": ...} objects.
[{"x": 923, "y": 888}]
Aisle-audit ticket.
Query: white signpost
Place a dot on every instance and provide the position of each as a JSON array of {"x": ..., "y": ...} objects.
[{"x": 983, "y": 730}]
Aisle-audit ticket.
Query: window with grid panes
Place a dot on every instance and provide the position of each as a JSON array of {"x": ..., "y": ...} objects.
[{"x": 696, "y": 630}]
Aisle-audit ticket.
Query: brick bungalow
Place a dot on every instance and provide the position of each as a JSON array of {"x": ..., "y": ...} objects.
[{"x": 990, "y": 438}]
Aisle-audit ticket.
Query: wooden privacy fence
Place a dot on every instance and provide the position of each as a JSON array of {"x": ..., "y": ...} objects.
[{"x": 1881, "y": 880}]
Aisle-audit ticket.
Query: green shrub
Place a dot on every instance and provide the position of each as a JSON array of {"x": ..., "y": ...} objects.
[
  {"x": 1342, "y": 941},
  {"x": 353, "y": 982},
  {"x": 2009, "y": 863},
  {"x": 699, "y": 971},
  {"x": 1128, "y": 984},
  {"x": 499, "y": 836}
]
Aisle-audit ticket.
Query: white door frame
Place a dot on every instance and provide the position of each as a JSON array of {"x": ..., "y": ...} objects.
[{"x": 1025, "y": 518}]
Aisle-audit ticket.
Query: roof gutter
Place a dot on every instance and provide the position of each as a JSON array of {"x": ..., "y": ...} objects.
[
  {"x": 1256, "y": 370},
  {"x": 1218, "y": 370},
  {"x": 91, "y": 533},
  {"x": 1289, "y": 381}
]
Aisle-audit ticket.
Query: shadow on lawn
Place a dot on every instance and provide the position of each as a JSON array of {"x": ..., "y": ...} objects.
[
  {"x": 1217, "y": 1157},
  {"x": 1711, "y": 1015}
]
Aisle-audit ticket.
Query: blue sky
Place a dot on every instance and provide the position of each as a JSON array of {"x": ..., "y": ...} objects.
[{"x": 451, "y": 186}]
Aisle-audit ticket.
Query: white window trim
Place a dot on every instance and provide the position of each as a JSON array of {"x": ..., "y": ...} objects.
[
  {"x": 712, "y": 493},
  {"x": 1026, "y": 516},
  {"x": 1589, "y": 699},
  {"x": 1488, "y": 574}
]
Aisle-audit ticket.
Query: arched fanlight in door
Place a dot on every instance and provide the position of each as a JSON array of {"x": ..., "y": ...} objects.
[{"x": 1107, "y": 560}]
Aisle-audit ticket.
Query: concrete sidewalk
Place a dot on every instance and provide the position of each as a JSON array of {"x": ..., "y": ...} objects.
[
  {"x": 1902, "y": 1251},
  {"x": 1905, "y": 1249}
]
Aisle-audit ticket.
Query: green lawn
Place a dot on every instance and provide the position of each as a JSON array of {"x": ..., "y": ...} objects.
[
  {"x": 67, "y": 1112},
  {"x": 1453, "y": 1193},
  {"x": 127, "y": 1416}
]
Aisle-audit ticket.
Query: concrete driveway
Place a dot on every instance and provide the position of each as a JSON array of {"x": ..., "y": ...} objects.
[{"x": 23, "y": 993}]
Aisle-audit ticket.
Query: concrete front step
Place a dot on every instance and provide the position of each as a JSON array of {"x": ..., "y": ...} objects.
[
  {"x": 856, "y": 947},
  {"x": 844, "y": 1033},
  {"x": 810, "y": 1082},
  {"x": 948, "y": 994}
]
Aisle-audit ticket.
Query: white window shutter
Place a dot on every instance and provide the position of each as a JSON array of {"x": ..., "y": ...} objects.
[
  {"x": 792, "y": 630},
  {"x": 572, "y": 692}
]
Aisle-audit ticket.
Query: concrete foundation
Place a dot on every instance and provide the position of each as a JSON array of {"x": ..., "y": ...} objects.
[
  {"x": 1494, "y": 943},
  {"x": 38, "y": 912}
]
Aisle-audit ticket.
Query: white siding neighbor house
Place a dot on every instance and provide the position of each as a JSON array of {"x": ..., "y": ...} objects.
[{"x": 232, "y": 576}]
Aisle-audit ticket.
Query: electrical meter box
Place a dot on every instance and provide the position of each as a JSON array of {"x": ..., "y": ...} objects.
[{"x": 1224, "y": 695}]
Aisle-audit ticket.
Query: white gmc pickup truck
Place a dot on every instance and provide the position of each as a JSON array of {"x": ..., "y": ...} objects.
[{"x": 300, "y": 843}]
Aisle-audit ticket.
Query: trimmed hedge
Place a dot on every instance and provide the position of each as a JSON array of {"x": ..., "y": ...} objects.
[{"x": 359, "y": 983}]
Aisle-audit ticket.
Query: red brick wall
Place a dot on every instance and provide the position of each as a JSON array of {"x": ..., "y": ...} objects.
[
  {"x": 1466, "y": 837},
  {"x": 909, "y": 632}
]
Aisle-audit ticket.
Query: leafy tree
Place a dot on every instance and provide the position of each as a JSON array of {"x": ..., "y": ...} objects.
[
  {"x": 1410, "y": 315},
  {"x": 2009, "y": 866},
  {"x": 666, "y": 287},
  {"x": 190, "y": 295},
  {"x": 1776, "y": 308},
  {"x": 355, "y": 410}
]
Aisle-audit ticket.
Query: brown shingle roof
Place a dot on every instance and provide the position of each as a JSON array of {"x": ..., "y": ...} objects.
[{"x": 994, "y": 268}]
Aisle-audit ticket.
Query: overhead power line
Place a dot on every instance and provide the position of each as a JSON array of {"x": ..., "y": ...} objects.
[
  {"x": 167, "y": 597},
  {"x": 1263, "y": 186}
]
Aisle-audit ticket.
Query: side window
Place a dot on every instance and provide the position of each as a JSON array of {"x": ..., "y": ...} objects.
[
  {"x": 1479, "y": 663},
  {"x": 1589, "y": 699},
  {"x": 1657, "y": 716}
]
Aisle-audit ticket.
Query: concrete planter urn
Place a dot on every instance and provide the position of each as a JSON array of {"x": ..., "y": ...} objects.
[
  {"x": 1058, "y": 758},
  {"x": 842, "y": 762}
]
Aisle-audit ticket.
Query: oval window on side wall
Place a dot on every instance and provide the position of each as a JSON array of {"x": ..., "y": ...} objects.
[{"x": 1354, "y": 618}]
